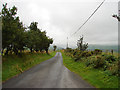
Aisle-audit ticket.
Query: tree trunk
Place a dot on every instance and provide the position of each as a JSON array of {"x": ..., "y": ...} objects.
[
  {"x": 16, "y": 51},
  {"x": 46, "y": 51},
  {"x": 40, "y": 50},
  {"x": 20, "y": 51},
  {"x": 31, "y": 50},
  {"x": 36, "y": 50}
]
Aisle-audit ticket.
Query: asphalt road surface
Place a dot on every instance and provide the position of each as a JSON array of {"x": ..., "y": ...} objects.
[{"x": 49, "y": 74}]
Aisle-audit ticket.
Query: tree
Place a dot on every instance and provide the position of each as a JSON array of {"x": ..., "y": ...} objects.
[
  {"x": 54, "y": 47},
  {"x": 33, "y": 26},
  {"x": 12, "y": 30},
  {"x": 34, "y": 37},
  {"x": 37, "y": 40},
  {"x": 16, "y": 38},
  {"x": 80, "y": 44},
  {"x": 46, "y": 42},
  {"x": 30, "y": 40},
  {"x": 19, "y": 41}
]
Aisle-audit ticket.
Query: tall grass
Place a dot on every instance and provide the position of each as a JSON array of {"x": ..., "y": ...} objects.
[
  {"x": 13, "y": 65},
  {"x": 95, "y": 75}
]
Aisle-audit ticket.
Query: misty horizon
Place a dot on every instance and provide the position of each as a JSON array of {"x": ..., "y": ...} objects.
[{"x": 60, "y": 19}]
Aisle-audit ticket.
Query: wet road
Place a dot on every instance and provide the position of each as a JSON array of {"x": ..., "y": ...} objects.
[{"x": 49, "y": 74}]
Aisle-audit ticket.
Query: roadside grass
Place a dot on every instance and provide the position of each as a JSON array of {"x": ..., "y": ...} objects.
[
  {"x": 96, "y": 77},
  {"x": 13, "y": 65}
]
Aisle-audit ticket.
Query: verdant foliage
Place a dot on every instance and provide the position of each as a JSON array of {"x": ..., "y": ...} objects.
[
  {"x": 54, "y": 47},
  {"x": 97, "y": 51},
  {"x": 15, "y": 37},
  {"x": 95, "y": 76},
  {"x": 96, "y": 59},
  {"x": 13, "y": 64}
]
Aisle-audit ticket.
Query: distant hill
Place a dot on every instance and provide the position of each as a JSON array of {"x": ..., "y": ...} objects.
[
  {"x": 103, "y": 47},
  {"x": 94, "y": 46}
]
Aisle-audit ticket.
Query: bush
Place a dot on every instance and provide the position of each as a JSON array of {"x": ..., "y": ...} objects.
[
  {"x": 107, "y": 64},
  {"x": 88, "y": 62},
  {"x": 81, "y": 54},
  {"x": 86, "y": 54},
  {"x": 68, "y": 50},
  {"x": 114, "y": 69},
  {"x": 74, "y": 52},
  {"x": 76, "y": 58},
  {"x": 110, "y": 58},
  {"x": 97, "y": 51},
  {"x": 92, "y": 52},
  {"x": 98, "y": 62},
  {"x": 96, "y": 59}
]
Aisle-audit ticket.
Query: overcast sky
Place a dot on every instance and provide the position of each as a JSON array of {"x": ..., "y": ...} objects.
[{"x": 61, "y": 18}]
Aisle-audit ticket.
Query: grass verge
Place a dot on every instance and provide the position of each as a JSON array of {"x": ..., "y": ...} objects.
[
  {"x": 13, "y": 65},
  {"x": 95, "y": 77}
]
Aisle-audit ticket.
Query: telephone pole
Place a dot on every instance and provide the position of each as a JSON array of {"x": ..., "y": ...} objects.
[{"x": 67, "y": 42}]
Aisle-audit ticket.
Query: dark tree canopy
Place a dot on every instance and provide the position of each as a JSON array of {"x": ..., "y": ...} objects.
[
  {"x": 54, "y": 47},
  {"x": 16, "y": 38}
]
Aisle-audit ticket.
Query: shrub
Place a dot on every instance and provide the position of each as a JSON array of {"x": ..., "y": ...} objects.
[
  {"x": 98, "y": 62},
  {"x": 92, "y": 52},
  {"x": 86, "y": 54},
  {"x": 114, "y": 69},
  {"x": 68, "y": 50},
  {"x": 76, "y": 52},
  {"x": 110, "y": 58},
  {"x": 97, "y": 51},
  {"x": 107, "y": 64},
  {"x": 68, "y": 54},
  {"x": 76, "y": 58},
  {"x": 88, "y": 62},
  {"x": 81, "y": 54}
]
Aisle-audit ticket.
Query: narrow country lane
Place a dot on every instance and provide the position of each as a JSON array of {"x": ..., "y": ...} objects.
[{"x": 49, "y": 74}]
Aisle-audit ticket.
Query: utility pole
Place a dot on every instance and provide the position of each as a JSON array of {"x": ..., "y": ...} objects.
[{"x": 67, "y": 42}]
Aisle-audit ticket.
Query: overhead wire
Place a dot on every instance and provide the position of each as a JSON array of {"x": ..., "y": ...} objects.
[{"x": 89, "y": 17}]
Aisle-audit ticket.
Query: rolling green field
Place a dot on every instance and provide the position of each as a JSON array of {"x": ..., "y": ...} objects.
[
  {"x": 13, "y": 65},
  {"x": 96, "y": 77}
]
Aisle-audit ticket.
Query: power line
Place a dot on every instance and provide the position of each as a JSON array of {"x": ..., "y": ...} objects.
[{"x": 89, "y": 17}]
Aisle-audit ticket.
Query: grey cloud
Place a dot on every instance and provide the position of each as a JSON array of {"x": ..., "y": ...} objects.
[{"x": 62, "y": 18}]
